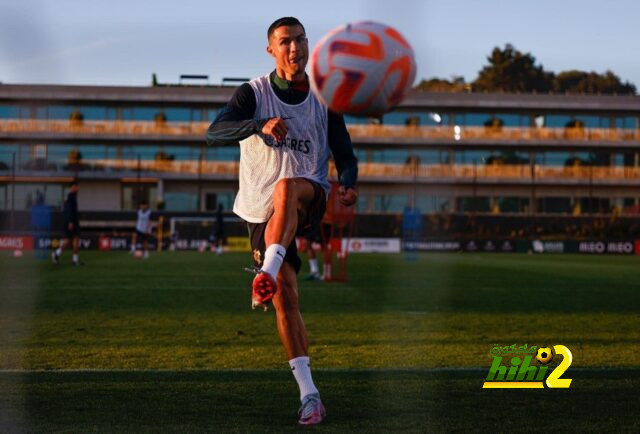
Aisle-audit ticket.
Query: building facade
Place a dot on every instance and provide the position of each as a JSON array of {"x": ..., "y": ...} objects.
[{"x": 516, "y": 154}]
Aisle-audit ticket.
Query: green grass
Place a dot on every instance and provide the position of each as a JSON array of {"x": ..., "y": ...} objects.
[{"x": 170, "y": 344}]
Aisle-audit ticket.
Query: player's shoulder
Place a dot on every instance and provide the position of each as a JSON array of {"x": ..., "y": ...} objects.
[{"x": 244, "y": 97}]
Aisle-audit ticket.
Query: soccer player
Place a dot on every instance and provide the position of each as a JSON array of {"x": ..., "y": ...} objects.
[
  {"x": 286, "y": 137},
  {"x": 218, "y": 235},
  {"x": 143, "y": 229},
  {"x": 313, "y": 237},
  {"x": 71, "y": 227},
  {"x": 320, "y": 235}
]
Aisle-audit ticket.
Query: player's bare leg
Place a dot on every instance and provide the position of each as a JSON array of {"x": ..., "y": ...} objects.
[
  {"x": 291, "y": 329},
  {"x": 55, "y": 255},
  {"x": 134, "y": 241},
  {"x": 327, "y": 262},
  {"x": 75, "y": 246},
  {"x": 291, "y": 199},
  {"x": 293, "y": 336}
]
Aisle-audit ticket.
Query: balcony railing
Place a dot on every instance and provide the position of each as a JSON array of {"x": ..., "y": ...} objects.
[
  {"x": 197, "y": 130},
  {"x": 522, "y": 173},
  {"x": 517, "y": 173},
  {"x": 98, "y": 128}
]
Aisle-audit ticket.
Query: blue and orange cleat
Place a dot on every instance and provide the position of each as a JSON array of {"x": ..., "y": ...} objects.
[{"x": 312, "y": 411}]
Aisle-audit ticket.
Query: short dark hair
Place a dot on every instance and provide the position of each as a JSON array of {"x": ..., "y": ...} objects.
[{"x": 284, "y": 21}]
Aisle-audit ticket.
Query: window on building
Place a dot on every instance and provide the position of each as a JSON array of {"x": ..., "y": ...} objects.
[
  {"x": 516, "y": 205},
  {"x": 433, "y": 204},
  {"x": 8, "y": 111},
  {"x": 472, "y": 157},
  {"x": 178, "y": 114},
  {"x": 231, "y": 153},
  {"x": 428, "y": 157},
  {"x": 362, "y": 205},
  {"x": 390, "y": 202},
  {"x": 211, "y": 114},
  {"x": 7, "y": 153},
  {"x": 133, "y": 193},
  {"x": 473, "y": 204},
  {"x": 555, "y": 205},
  {"x": 25, "y": 195},
  {"x": 556, "y": 121},
  {"x": 181, "y": 201},
  {"x": 4, "y": 197},
  {"x": 225, "y": 198},
  {"x": 595, "y": 205}
]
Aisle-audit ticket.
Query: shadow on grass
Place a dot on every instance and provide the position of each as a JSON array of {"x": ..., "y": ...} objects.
[{"x": 266, "y": 401}]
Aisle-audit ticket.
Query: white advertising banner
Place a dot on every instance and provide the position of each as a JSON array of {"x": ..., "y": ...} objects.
[{"x": 371, "y": 245}]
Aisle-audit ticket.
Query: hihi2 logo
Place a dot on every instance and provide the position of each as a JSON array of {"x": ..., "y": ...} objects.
[{"x": 521, "y": 373}]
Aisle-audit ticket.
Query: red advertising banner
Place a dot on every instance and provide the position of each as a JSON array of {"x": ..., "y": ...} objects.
[
  {"x": 104, "y": 243},
  {"x": 12, "y": 242}
]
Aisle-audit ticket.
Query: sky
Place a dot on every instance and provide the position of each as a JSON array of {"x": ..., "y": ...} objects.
[{"x": 122, "y": 42}]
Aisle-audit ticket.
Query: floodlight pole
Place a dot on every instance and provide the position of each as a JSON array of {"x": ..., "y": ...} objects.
[
  {"x": 199, "y": 185},
  {"x": 13, "y": 190},
  {"x": 138, "y": 185}
]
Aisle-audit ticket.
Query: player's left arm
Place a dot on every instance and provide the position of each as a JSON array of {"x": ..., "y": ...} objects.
[{"x": 344, "y": 157}]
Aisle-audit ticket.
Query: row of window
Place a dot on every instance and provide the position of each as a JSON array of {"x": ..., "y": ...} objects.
[
  {"x": 187, "y": 114},
  {"x": 57, "y": 157},
  {"x": 23, "y": 196},
  {"x": 99, "y": 113}
]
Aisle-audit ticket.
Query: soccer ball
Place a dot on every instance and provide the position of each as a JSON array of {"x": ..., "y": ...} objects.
[
  {"x": 362, "y": 69},
  {"x": 544, "y": 355}
]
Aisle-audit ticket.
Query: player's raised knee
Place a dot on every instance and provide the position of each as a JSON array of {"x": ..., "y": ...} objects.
[{"x": 285, "y": 189}]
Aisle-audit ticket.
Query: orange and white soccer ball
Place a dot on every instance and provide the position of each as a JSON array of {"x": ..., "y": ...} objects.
[{"x": 362, "y": 69}]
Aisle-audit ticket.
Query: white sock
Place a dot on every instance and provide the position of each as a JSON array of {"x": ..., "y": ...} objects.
[
  {"x": 273, "y": 258},
  {"x": 313, "y": 264},
  {"x": 75, "y": 257},
  {"x": 302, "y": 373},
  {"x": 326, "y": 268},
  {"x": 58, "y": 251}
]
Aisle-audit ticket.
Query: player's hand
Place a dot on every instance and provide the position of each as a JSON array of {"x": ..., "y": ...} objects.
[
  {"x": 276, "y": 127},
  {"x": 347, "y": 196}
]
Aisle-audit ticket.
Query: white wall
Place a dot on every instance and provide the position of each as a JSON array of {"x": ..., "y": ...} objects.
[{"x": 99, "y": 195}]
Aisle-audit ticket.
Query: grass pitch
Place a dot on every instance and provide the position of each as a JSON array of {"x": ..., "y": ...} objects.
[{"x": 170, "y": 344}]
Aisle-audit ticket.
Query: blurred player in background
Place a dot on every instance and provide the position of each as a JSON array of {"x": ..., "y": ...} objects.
[
  {"x": 286, "y": 137},
  {"x": 313, "y": 238},
  {"x": 143, "y": 229},
  {"x": 321, "y": 235},
  {"x": 217, "y": 237},
  {"x": 71, "y": 227}
]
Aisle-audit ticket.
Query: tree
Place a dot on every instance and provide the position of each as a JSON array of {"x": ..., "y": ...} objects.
[
  {"x": 575, "y": 81},
  {"x": 456, "y": 84},
  {"x": 509, "y": 70}
]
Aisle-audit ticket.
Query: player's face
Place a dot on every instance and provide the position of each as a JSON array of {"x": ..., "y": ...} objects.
[{"x": 289, "y": 47}]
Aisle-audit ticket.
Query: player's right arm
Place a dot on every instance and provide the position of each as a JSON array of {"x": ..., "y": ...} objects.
[{"x": 236, "y": 121}]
